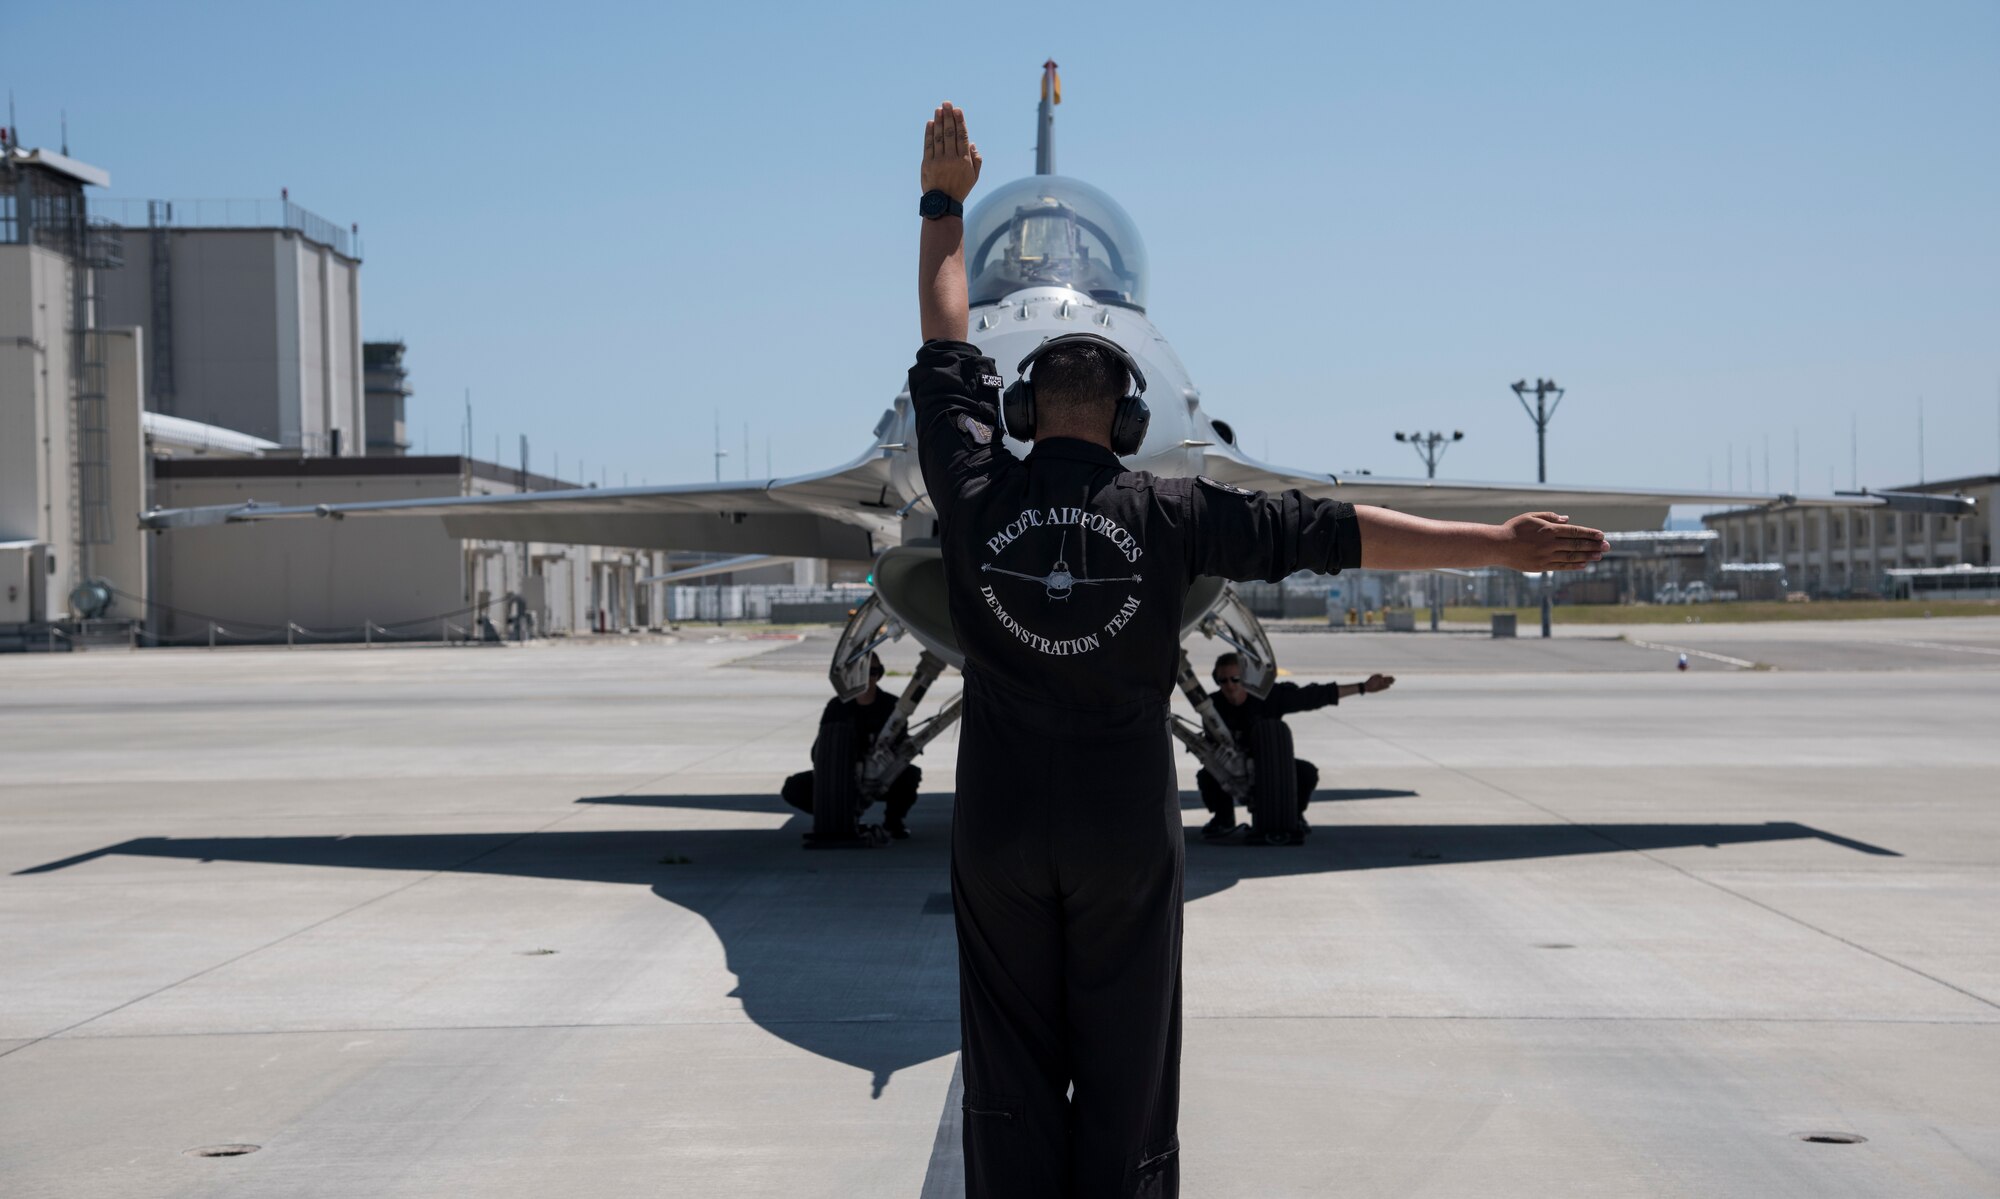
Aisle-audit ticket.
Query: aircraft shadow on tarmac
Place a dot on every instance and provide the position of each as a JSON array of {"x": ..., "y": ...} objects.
[{"x": 849, "y": 954}]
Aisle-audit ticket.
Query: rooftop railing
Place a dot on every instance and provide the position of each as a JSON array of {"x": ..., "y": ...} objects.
[{"x": 232, "y": 214}]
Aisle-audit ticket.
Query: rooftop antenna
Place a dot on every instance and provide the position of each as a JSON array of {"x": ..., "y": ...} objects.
[
  {"x": 1045, "y": 123},
  {"x": 65, "y": 132},
  {"x": 720, "y": 453}
]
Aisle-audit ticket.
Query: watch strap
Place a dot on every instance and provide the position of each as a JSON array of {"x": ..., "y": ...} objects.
[{"x": 951, "y": 207}]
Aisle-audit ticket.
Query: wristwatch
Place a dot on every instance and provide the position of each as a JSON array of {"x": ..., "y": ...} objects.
[{"x": 936, "y": 205}]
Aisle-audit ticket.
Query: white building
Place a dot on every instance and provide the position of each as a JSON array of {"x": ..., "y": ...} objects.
[{"x": 1827, "y": 552}]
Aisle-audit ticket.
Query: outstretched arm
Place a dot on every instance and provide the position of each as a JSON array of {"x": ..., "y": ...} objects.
[
  {"x": 1533, "y": 541},
  {"x": 951, "y": 165}
]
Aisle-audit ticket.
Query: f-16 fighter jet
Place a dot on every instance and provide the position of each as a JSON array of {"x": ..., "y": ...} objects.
[{"x": 1046, "y": 255}]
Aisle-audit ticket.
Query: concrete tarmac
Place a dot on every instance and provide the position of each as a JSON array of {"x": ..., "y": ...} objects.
[{"x": 531, "y": 921}]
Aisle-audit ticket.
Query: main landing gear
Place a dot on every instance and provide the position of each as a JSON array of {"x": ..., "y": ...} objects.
[{"x": 848, "y": 784}]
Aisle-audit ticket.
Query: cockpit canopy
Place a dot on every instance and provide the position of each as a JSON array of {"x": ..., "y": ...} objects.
[{"x": 1049, "y": 231}]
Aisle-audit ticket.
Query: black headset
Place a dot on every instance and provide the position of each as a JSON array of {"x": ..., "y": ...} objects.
[{"x": 1128, "y": 419}]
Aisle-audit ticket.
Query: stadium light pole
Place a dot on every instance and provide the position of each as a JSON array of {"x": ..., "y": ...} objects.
[
  {"x": 1430, "y": 447},
  {"x": 1542, "y": 413}
]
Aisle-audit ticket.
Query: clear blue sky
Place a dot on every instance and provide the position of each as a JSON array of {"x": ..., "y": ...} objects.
[{"x": 1714, "y": 223}]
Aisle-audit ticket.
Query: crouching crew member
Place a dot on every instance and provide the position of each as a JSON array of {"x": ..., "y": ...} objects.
[
  {"x": 1239, "y": 710},
  {"x": 1064, "y": 578},
  {"x": 863, "y": 717}
]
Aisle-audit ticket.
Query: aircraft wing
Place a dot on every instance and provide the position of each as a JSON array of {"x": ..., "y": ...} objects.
[
  {"x": 1613, "y": 509},
  {"x": 849, "y": 512}
]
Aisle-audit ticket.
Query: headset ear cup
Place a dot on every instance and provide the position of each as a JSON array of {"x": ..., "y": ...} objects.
[
  {"x": 1128, "y": 425},
  {"x": 1017, "y": 410}
]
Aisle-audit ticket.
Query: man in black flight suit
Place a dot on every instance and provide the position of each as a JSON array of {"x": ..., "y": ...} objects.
[
  {"x": 1239, "y": 710},
  {"x": 1064, "y": 578},
  {"x": 863, "y": 716}
]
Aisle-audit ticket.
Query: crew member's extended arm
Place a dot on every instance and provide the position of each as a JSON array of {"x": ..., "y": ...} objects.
[
  {"x": 951, "y": 165},
  {"x": 1368, "y": 686},
  {"x": 954, "y": 390},
  {"x": 1533, "y": 541},
  {"x": 1287, "y": 698},
  {"x": 1240, "y": 534}
]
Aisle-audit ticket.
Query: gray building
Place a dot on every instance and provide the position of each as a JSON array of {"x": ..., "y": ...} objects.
[{"x": 252, "y": 313}]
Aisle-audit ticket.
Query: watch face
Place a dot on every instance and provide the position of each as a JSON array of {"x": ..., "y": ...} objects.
[{"x": 933, "y": 204}]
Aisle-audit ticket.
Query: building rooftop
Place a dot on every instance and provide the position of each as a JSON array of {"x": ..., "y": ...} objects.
[
  {"x": 280, "y": 213},
  {"x": 62, "y": 164}
]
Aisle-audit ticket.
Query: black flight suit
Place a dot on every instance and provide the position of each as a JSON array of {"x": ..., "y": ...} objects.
[
  {"x": 1064, "y": 578},
  {"x": 1285, "y": 699},
  {"x": 866, "y": 721}
]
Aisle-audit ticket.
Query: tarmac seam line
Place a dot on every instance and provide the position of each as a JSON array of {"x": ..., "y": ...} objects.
[
  {"x": 1739, "y": 663},
  {"x": 1686, "y": 873}
]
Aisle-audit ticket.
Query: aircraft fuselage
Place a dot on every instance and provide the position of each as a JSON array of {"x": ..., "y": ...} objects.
[{"x": 1008, "y": 329}]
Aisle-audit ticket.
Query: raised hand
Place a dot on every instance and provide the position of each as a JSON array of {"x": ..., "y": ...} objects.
[
  {"x": 951, "y": 161},
  {"x": 1537, "y": 541},
  {"x": 1378, "y": 682}
]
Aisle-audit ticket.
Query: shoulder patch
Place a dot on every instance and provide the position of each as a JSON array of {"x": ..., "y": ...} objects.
[
  {"x": 979, "y": 431},
  {"x": 993, "y": 381},
  {"x": 1231, "y": 488}
]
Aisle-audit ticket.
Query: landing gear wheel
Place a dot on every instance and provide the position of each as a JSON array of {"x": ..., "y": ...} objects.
[
  {"x": 1274, "y": 796},
  {"x": 836, "y": 793}
]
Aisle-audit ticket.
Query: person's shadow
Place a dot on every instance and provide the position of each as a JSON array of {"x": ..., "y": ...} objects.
[{"x": 849, "y": 954}]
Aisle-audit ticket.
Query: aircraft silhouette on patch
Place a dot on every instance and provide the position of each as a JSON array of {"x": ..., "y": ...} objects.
[{"x": 1059, "y": 582}]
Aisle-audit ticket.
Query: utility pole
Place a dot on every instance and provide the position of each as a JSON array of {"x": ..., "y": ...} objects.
[
  {"x": 1430, "y": 447},
  {"x": 1542, "y": 413},
  {"x": 1920, "y": 442}
]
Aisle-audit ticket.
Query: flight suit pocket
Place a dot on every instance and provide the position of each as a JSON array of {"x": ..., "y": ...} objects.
[
  {"x": 990, "y": 1108},
  {"x": 999, "y": 1159}
]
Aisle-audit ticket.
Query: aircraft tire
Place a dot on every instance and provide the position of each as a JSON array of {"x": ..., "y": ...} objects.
[
  {"x": 1274, "y": 798},
  {"x": 834, "y": 787}
]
